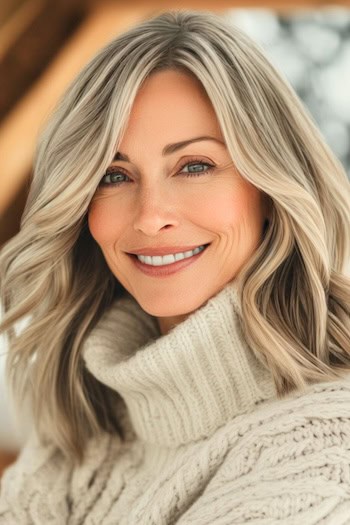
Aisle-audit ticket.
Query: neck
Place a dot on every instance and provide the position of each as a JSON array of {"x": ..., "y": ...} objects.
[{"x": 167, "y": 323}]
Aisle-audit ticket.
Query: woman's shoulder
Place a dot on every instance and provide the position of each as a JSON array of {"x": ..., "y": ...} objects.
[
  {"x": 326, "y": 403},
  {"x": 286, "y": 462},
  {"x": 335, "y": 393},
  {"x": 20, "y": 498},
  {"x": 36, "y": 486}
]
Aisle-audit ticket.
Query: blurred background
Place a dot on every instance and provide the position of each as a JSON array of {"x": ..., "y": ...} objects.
[{"x": 44, "y": 44}]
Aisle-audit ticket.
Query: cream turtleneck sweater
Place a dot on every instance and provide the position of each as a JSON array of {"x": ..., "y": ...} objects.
[{"x": 207, "y": 440}]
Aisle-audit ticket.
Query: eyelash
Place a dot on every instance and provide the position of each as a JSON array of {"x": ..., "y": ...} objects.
[{"x": 194, "y": 162}]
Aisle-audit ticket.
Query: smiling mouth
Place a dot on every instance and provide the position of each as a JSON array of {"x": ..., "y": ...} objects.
[
  {"x": 165, "y": 270},
  {"x": 135, "y": 256}
]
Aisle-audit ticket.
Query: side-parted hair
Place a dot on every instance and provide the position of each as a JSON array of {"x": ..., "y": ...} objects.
[{"x": 295, "y": 289}]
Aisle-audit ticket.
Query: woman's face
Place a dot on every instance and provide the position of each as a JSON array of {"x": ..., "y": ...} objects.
[{"x": 149, "y": 200}]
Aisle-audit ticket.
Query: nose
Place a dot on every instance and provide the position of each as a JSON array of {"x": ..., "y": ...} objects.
[{"x": 154, "y": 211}]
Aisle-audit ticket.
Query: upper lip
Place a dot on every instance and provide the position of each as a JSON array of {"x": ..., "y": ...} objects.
[{"x": 164, "y": 250}]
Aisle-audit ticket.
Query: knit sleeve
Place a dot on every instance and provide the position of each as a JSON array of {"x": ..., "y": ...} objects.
[
  {"x": 34, "y": 488},
  {"x": 293, "y": 468}
]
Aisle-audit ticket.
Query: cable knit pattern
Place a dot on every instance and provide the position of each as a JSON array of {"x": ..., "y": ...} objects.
[{"x": 207, "y": 440}]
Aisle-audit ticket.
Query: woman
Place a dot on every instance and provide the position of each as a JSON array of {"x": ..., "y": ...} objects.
[{"x": 181, "y": 262}]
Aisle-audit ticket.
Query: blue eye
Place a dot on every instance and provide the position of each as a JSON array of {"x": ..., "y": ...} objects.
[
  {"x": 111, "y": 178},
  {"x": 114, "y": 174},
  {"x": 196, "y": 171}
]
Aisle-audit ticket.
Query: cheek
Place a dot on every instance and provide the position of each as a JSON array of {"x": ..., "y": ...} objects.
[
  {"x": 103, "y": 223},
  {"x": 223, "y": 208},
  {"x": 235, "y": 208}
]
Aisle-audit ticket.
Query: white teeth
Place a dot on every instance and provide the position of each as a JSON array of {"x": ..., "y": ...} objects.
[{"x": 159, "y": 260}]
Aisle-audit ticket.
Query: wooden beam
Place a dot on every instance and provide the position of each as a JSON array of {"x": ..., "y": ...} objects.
[
  {"x": 38, "y": 34},
  {"x": 17, "y": 23},
  {"x": 19, "y": 131}
]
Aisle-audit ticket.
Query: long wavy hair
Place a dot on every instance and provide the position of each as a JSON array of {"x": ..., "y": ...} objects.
[{"x": 294, "y": 290}]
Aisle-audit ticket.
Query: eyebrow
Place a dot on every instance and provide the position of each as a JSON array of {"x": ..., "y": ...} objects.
[{"x": 172, "y": 148}]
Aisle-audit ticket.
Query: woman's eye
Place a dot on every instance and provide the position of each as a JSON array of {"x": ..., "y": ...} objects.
[
  {"x": 114, "y": 177},
  {"x": 195, "y": 166}
]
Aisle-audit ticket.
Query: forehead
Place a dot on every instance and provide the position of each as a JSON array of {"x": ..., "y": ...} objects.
[{"x": 169, "y": 107}]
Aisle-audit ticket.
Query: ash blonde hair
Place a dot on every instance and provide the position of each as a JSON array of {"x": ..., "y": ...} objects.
[{"x": 295, "y": 291}]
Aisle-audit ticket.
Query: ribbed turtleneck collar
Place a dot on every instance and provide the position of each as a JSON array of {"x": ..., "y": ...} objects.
[{"x": 182, "y": 386}]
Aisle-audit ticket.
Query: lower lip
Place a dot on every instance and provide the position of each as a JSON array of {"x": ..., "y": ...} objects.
[{"x": 169, "y": 269}]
